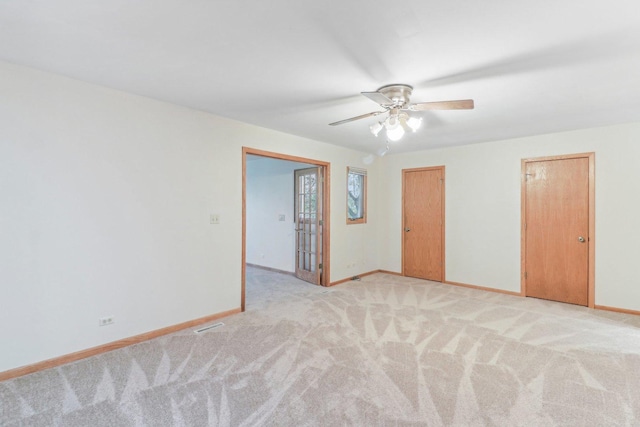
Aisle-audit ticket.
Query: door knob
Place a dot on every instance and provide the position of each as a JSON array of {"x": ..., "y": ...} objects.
[
  {"x": 407, "y": 229},
  {"x": 581, "y": 239}
]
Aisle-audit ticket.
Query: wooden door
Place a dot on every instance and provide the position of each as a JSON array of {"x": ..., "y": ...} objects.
[
  {"x": 556, "y": 227},
  {"x": 423, "y": 223},
  {"x": 308, "y": 217}
]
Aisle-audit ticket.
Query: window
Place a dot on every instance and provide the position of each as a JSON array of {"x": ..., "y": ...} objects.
[{"x": 356, "y": 196}]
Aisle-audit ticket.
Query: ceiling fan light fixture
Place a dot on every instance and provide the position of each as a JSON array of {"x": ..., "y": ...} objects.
[
  {"x": 414, "y": 123},
  {"x": 393, "y": 120},
  {"x": 394, "y": 99},
  {"x": 376, "y": 128},
  {"x": 395, "y": 134}
]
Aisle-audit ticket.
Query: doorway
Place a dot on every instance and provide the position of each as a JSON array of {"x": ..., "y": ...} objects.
[
  {"x": 319, "y": 254},
  {"x": 423, "y": 223},
  {"x": 558, "y": 228}
]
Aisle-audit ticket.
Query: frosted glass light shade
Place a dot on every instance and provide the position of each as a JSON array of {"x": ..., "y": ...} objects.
[
  {"x": 414, "y": 123},
  {"x": 375, "y": 128},
  {"x": 395, "y": 134}
]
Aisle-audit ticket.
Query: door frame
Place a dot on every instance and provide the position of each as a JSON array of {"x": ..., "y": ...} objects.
[
  {"x": 591, "y": 286},
  {"x": 326, "y": 166},
  {"x": 404, "y": 172}
]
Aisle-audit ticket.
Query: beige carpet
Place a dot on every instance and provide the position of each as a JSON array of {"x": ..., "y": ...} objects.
[{"x": 384, "y": 351}]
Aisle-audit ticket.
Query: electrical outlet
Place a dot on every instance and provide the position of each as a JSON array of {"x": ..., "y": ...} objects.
[
  {"x": 104, "y": 321},
  {"x": 214, "y": 219}
]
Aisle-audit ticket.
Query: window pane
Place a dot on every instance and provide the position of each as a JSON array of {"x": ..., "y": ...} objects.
[{"x": 356, "y": 194}]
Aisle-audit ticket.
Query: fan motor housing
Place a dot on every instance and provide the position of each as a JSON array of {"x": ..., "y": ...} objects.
[{"x": 398, "y": 93}]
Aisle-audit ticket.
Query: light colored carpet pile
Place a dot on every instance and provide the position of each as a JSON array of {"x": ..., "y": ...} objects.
[{"x": 384, "y": 351}]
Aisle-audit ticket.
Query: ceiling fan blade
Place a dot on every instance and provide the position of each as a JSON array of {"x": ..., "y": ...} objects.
[
  {"x": 463, "y": 104},
  {"x": 364, "y": 116},
  {"x": 378, "y": 98}
]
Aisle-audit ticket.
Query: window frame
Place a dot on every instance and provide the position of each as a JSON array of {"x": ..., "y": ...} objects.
[{"x": 363, "y": 194}]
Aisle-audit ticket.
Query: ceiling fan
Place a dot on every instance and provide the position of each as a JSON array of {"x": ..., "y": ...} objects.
[{"x": 395, "y": 99}]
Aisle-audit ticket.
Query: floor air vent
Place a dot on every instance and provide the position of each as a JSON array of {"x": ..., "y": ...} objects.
[{"x": 206, "y": 328}]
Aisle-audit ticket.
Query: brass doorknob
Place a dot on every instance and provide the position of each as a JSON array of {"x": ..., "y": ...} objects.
[
  {"x": 407, "y": 229},
  {"x": 581, "y": 239}
]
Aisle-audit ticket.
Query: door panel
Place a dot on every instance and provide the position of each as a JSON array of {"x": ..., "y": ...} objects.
[
  {"x": 557, "y": 230},
  {"x": 308, "y": 217},
  {"x": 423, "y": 231}
]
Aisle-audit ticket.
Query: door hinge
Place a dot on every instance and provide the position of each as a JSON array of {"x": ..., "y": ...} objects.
[
  {"x": 525, "y": 274},
  {"x": 525, "y": 225},
  {"x": 319, "y": 266},
  {"x": 320, "y": 222}
]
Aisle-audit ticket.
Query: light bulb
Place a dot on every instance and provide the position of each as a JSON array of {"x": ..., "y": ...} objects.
[
  {"x": 395, "y": 134},
  {"x": 414, "y": 123},
  {"x": 392, "y": 122},
  {"x": 375, "y": 128}
]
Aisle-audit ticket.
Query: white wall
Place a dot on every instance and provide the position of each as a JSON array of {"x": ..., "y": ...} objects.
[
  {"x": 271, "y": 242},
  {"x": 104, "y": 210},
  {"x": 483, "y": 208},
  {"x": 105, "y": 200}
]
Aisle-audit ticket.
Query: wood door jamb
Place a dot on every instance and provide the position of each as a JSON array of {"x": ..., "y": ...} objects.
[{"x": 326, "y": 235}]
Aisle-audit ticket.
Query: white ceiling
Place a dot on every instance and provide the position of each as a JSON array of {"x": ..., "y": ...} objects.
[{"x": 296, "y": 65}]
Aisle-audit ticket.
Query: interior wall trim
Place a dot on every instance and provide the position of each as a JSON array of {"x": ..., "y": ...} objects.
[
  {"x": 94, "y": 351},
  {"x": 488, "y": 289},
  {"x": 617, "y": 310},
  {"x": 395, "y": 273},
  {"x": 518, "y": 294},
  {"x": 275, "y": 270},
  {"x": 483, "y": 288},
  {"x": 348, "y": 279}
]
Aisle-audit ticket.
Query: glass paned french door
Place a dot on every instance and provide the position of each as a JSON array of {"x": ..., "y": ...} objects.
[{"x": 308, "y": 217}]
